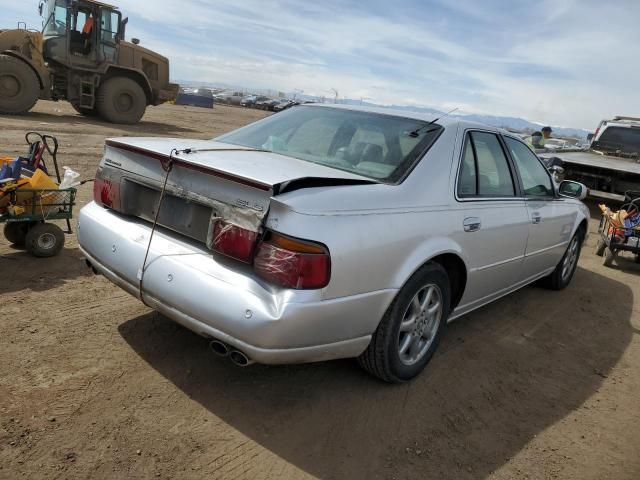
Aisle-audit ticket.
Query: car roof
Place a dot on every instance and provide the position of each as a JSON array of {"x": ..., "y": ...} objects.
[{"x": 426, "y": 117}]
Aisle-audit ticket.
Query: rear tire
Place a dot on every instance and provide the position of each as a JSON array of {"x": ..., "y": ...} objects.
[
  {"x": 121, "y": 100},
  {"x": 408, "y": 334},
  {"x": 44, "y": 240},
  {"x": 19, "y": 86},
  {"x": 16, "y": 232}
]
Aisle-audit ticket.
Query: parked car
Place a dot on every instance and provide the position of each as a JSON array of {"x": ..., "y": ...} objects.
[
  {"x": 284, "y": 104},
  {"x": 328, "y": 232},
  {"x": 230, "y": 98},
  {"x": 268, "y": 104},
  {"x": 250, "y": 100}
]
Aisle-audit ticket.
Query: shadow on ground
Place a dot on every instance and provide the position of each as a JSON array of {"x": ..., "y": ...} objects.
[
  {"x": 144, "y": 127},
  {"x": 22, "y": 271},
  {"x": 501, "y": 376}
]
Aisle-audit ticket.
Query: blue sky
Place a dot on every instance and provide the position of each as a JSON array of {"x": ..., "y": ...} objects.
[{"x": 563, "y": 62}]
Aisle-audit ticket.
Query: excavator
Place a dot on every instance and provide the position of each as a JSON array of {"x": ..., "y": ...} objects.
[{"x": 81, "y": 56}]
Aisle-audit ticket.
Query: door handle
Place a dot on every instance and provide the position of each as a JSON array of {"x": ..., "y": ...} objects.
[
  {"x": 471, "y": 224},
  {"x": 535, "y": 218}
]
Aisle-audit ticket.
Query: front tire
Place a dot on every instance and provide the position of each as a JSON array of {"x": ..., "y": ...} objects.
[
  {"x": 86, "y": 112},
  {"x": 121, "y": 100},
  {"x": 19, "y": 86},
  {"x": 410, "y": 331},
  {"x": 562, "y": 275}
]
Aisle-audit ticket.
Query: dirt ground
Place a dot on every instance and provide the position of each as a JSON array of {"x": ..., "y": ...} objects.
[{"x": 95, "y": 385}]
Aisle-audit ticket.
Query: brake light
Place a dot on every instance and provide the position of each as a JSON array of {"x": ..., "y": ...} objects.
[
  {"x": 106, "y": 193},
  {"x": 233, "y": 241},
  {"x": 293, "y": 263}
]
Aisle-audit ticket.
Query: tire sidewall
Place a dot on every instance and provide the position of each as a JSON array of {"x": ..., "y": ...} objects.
[
  {"x": 559, "y": 281},
  {"x": 35, "y": 232},
  {"x": 29, "y": 85},
  {"x": 430, "y": 274},
  {"x": 110, "y": 90}
]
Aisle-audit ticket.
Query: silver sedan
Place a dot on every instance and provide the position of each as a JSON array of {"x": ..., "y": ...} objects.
[{"x": 327, "y": 232}]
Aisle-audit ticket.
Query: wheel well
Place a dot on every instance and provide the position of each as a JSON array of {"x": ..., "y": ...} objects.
[
  {"x": 584, "y": 228},
  {"x": 457, "y": 271},
  {"x": 133, "y": 75}
]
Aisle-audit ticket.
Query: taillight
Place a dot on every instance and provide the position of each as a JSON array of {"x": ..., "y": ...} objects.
[
  {"x": 106, "y": 193},
  {"x": 293, "y": 263},
  {"x": 233, "y": 241}
]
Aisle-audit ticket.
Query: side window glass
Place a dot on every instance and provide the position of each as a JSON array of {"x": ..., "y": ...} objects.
[
  {"x": 467, "y": 178},
  {"x": 485, "y": 170},
  {"x": 535, "y": 179}
]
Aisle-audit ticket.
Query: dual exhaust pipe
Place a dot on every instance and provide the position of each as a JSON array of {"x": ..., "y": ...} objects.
[
  {"x": 236, "y": 356},
  {"x": 219, "y": 348}
]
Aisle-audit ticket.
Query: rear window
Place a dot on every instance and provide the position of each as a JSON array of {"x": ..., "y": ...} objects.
[
  {"x": 381, "y": 147},
  {"x": 627, "y": 140}
]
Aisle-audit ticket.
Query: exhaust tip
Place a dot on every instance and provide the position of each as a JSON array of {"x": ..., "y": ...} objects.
[
  {"x": 240, "y": 359},
  {"x": 219, "y": 348}
]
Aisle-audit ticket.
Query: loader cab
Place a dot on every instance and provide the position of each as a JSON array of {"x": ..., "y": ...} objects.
[{"x": 81, "y": 33}]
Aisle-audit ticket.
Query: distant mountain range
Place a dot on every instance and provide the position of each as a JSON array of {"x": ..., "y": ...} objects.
[{"x": 510, "y": 123}]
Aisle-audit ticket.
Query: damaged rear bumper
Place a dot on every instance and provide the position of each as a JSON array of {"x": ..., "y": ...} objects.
[{"x": 218, "y": 298}]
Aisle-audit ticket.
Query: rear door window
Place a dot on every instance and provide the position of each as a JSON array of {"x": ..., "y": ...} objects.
[{"x": 484, "y": 170}]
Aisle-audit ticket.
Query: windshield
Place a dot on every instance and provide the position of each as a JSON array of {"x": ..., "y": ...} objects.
[
  {"x": 382, "y": 147},
  {"x": 623, "y": 139},
  {"x": 54, "y": 18}
]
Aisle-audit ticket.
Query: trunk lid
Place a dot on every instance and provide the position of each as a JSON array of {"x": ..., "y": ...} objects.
[{"x": 209, "y": 180}]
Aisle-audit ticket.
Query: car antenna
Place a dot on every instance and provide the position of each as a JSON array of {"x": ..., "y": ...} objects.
[{"x": 416, "y": 132}]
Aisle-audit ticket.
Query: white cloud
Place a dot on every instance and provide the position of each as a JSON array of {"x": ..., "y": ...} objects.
[{"x": 569, "y": 63}]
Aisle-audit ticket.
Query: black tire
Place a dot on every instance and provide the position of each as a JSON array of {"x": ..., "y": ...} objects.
[
  {"x": 561, "y": 278},
  {"x": 382, "y": 358},
  {"x": 121, "y": 100},
  {"x": 87, "y": 112},
  {"x": 600, "y": 246},
  {"x": 44, "y": 240},
  {"x": 608, "y": 258},
  {"x": 19, "y": 86},
  {"x": 16, "y": 232}
]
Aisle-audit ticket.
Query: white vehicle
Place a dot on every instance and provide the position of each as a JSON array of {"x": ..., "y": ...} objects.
[
  {"x": 328, "y": 232},
  {"x": 610, "y": 167}
]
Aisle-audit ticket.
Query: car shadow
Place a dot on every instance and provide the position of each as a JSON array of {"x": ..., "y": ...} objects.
[
  {"x": 22, "y": 271},
  {"x": 144, "y": 127},
  {"x": 501, "y": 376}
]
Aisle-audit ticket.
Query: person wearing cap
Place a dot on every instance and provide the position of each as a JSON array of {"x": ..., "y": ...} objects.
[{"x": 536, "y": 140}]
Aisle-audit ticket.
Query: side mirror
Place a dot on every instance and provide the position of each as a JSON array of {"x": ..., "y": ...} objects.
[{"x": 570, "y": 189}]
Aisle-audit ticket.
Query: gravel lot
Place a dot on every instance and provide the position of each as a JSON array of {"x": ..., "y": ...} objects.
[{"x": 95, "y": 385}]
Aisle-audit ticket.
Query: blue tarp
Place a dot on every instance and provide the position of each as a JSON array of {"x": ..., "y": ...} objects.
[{"x": 194, "y": 100}]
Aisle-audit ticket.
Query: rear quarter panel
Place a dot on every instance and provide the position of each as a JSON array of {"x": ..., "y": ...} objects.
[{"x": 378, "y": 235}]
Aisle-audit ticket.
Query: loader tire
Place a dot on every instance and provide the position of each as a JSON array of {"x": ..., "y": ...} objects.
[
  {"x": 19, "y": 86},
  {"x": 86, "y": 112},
  {"x": 121, "y": 100}
]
